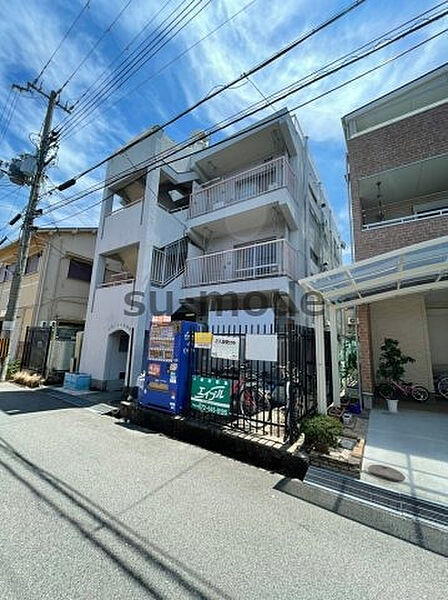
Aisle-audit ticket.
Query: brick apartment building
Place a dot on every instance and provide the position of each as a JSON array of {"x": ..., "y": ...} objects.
[{"x": 398, "y": 172}]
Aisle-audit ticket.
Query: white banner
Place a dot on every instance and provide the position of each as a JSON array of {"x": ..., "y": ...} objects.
[
  {"x": 226, "y": 346},
  {"x": 261, "y": 347}
]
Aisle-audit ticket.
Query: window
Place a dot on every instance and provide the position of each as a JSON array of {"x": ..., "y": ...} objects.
[
  {"x": 77, "y": 269},
  {"x": 6, "y": 272},
  {"x": 32, "y": 264}
]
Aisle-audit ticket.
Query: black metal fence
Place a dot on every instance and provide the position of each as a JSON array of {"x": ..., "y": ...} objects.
[
  {"x": 245, "y": 392},
  {"x": 35, "y": 349}
]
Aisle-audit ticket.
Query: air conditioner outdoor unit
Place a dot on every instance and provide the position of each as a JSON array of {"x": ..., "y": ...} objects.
[
  {"x": 52, "y": 323},
  {"x": 351, "y": 321},
  {"x": 44, "y": 324}
]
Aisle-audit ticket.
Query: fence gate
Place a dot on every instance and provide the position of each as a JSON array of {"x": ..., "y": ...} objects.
[
  {"x": 254, "y": 379},
  {"x": 35, "y": 349}
]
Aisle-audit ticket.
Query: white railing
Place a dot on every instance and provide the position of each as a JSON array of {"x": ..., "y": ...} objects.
[
  {"x": 269, "y": 176},
  {"x": 429, "y": 214},
  {"x": 267, "y": 259},
  {"x": 169, "y": 262},
  {"x": 119, "y": 279}
]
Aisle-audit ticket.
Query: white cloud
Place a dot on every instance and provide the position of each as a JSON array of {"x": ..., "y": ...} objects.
[{"x": 253, "y": 35}]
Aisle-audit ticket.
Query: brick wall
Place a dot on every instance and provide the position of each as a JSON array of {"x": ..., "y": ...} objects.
[
  {"x": 376, "y": 241},
  {"x": 408, "y": 140},
  {"x": 365, "y": 348}
]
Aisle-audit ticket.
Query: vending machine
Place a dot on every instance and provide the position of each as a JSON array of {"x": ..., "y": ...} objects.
[{"x": 167, "y": 374}]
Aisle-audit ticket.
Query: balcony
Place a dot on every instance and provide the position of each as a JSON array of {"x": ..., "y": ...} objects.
[
  {"x": 415, "y": 192},
  {"x": 418, "y": 216},
  {"x": 275, "y": 258},
  {"x": 258, "y": 188}
]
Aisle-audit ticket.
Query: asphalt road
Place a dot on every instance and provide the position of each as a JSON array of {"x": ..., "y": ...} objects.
[{"x": 93, "y": 509}]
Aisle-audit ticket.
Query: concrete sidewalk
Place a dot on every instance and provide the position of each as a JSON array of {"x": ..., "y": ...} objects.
[{"x": 415, "y": 442}]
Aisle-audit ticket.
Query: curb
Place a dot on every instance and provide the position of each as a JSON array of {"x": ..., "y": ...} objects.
[{"x": 418, "y": 531}]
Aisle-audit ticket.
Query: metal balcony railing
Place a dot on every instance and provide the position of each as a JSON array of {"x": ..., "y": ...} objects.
[
  {"x": 169, "y": 262},
  {"x": 269, "y": 176},
  {"x": 266, "y": 259},
  {"x": 429, "y": 214}
]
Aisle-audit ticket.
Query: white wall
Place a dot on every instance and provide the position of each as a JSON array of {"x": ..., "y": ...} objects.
[{"x": 404, "y": 319}]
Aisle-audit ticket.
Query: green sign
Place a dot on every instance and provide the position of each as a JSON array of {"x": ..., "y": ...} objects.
[{"x": 210, "y": 395}]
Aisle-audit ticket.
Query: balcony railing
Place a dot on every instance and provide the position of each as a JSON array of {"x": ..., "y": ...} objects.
[
  {"x": 429, "y": 214},
  {"x": 269, "y": 176},
  {"x": 169, "y": 262},
  {"x": 118, "y": 279},
  {"x": 267, "y": 259}
]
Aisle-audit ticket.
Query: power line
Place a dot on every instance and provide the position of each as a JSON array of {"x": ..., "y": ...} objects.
[
  {"x": 306, "y": 103},
  {"x": 253, "y": 70},
  {"x": 301, "y": 84},
  {"x": 67, "y": 33},
  {"x": 163, "y": 68},
  {"x": 10, "y": 111},
  {"x": 116, "y": 80},
  {"x": 112, "y": 62},
  {"x": 97, "y": 43}
]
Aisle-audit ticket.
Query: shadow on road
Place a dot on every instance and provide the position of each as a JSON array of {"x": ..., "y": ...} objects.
[
  {"x": 17, "y": 402},
  {"x": 190, "y": 583}
]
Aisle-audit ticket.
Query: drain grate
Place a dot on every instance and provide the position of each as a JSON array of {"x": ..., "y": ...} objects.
[
  {"x": 101, "y": 408},
  {"x": 413, "y": 507}
]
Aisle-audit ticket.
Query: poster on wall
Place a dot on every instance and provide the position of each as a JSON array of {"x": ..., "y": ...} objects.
[
  {"x": 203, "y": 339},
  {"x": 210, "y": 395},
  {"x": 261, "y": 347},
  {"x": 226, "y": 346}
]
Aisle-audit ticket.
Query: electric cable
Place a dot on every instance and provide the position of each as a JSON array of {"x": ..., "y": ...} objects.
[
  {"x": 67, "y": 33},
  {"x": 323, "y": 74},
  {"x": 297, "y": 107},
  {"x": 274, "y": 57},
  {"x": 80, "y": 127},
  {"x": 97, "y": 43},
  {"x": 100, "y": 94}
]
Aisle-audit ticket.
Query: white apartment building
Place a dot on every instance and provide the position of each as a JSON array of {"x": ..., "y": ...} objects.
[{"x": 220, "y": 236}]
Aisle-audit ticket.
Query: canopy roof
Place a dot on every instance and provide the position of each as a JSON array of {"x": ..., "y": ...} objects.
[{"x": 415, "y": 268}]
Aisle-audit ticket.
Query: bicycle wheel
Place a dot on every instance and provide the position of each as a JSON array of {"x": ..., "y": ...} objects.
[
  {"x": 419, "y": 393},
  {"x": 442, "y": 387},
  {"x": 252, "y": 401}
]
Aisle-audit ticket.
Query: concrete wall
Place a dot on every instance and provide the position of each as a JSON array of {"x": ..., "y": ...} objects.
[{"x": 404, "y": 319}]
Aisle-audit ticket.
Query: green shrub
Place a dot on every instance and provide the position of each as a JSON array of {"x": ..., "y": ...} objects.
[
  {"x": 13, "y": 368},
  {"x": 321, "y": 432}
]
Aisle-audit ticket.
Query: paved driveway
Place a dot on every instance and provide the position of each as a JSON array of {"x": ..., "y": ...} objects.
[
  {"x": 92, "y": 509},
  {"x": 415, "y": 442}
]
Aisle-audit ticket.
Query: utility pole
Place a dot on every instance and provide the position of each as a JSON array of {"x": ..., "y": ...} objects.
[{"x": 29, "y": 216}]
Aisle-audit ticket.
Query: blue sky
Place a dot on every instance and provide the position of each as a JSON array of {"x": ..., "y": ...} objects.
[{"x": 31, "y": 29}]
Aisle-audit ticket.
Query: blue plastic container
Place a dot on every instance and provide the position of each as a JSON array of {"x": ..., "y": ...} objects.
[{"x": 77, "y": 381}]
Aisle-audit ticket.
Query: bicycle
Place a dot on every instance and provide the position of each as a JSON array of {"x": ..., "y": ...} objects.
[
  {"x": 442, "y": 386},
  {"x": 397, "y": 390}
]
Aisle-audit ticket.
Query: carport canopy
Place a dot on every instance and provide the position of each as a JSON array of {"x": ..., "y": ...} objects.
[
  {"x": 416, "y": 268},
  {"x": 419, "y": 267}
]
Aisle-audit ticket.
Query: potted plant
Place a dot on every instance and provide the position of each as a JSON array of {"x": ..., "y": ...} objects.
[
  {"x": 321, "y": 432},
  {"x": 391, "y": 368}
]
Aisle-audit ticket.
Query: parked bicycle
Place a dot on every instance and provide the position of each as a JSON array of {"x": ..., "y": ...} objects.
[
  {"x": 442, "y": 386},
  {"x": 400, "y": 390}
]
